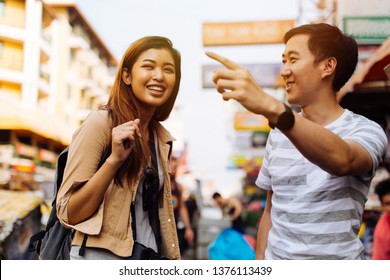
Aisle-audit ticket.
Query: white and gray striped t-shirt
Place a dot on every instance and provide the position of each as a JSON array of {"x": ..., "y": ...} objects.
[{"x": 316, "y": 215}]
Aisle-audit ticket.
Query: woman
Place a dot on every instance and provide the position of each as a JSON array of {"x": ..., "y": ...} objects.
[{"x": 102, "y": 203}]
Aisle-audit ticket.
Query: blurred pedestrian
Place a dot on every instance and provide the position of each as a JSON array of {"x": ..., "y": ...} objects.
[
  {"x": 381, "y": 241},
  {"x": 115, "y": 206},
  {"x": 182, "y": 218},
  {"x": 318, "y": 163},
  {"x": 233, "y": 208}
]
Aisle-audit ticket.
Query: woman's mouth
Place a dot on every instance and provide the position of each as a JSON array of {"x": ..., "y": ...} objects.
[{"x": 156, "y": 89}]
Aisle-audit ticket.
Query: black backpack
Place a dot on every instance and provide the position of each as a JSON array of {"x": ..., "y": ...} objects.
[{"x": 54, "y": 242}]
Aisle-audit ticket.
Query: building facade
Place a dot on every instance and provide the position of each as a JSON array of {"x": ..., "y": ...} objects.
[{"x": 54, "y": 69}]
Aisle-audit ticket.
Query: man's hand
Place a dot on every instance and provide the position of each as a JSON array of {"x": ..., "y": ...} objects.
[{"x": 236, "y": 82}]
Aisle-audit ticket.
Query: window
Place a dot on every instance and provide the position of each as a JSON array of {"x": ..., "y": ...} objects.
[
  {"x": 2, "y": 5},
  {"x": 1, "y": 49}
]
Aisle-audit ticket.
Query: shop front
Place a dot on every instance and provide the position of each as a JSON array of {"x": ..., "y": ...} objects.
[{"x": 368, "y": 93}]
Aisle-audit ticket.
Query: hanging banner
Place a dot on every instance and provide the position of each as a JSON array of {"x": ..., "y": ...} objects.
[{"x": 244, "y": 33}]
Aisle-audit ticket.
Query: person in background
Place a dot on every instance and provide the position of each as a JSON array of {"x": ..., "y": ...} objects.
[
  {"x": 114, "y": 207},
  {"x": 183, "y": 224},
  {"x": 381, "y": 241},
  {"x": 318, "y": 163},
  {"x": 231, "y": 206}
]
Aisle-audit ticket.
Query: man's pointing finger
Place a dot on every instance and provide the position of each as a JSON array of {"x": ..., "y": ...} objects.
[{"x": 223, "y": 60}]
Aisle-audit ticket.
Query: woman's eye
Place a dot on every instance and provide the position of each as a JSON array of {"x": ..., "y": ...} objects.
[{"x": 147, "y": 66}]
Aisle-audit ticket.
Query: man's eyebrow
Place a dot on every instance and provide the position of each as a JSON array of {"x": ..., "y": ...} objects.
[{"x": 290, "y": 53}]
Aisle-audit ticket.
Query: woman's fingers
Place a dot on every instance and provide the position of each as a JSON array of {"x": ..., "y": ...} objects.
[
  {"x": 125, "y": 133},
  {"x": 136, "y": 126}
]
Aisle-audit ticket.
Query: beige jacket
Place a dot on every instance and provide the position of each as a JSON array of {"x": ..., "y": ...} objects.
[{"x": 110, "y": 226}]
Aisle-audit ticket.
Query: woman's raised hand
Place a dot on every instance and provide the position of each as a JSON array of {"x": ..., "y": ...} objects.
[{"x": 123, "y": 139}]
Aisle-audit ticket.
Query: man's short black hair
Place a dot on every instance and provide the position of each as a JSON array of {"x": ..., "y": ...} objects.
[
  {"x": 216, "y": 195},
  {"x": 383, "y": 188},
  {"x": 326, "y": 41}
]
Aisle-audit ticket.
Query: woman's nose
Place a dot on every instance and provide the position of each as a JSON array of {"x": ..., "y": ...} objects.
[{"x": 157, "y": 74}]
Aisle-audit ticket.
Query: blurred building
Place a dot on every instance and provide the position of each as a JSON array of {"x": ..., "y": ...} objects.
[{"x": 54, "y": 69}]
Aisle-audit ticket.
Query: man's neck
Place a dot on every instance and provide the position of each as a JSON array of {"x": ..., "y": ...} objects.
[{"x": 322, "y": 113}]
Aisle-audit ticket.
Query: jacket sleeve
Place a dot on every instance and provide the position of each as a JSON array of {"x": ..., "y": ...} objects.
[{"x": 88, "y": 144}]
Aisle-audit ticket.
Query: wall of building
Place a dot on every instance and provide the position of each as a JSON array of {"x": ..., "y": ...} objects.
[{"x": 51, "y": 77}]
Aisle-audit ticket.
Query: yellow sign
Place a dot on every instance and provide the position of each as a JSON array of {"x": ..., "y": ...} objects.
[
  {"x": 244, "y": 33},
  {"x": 249, "y": 121}
]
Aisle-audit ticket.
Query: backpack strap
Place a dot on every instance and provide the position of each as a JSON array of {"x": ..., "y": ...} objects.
[
  {"x": 170, "y": 149},
  {"x": 83, "y": 245},
  {"x": 154, "y": 215},
  {"x": 133, "y": 222}
]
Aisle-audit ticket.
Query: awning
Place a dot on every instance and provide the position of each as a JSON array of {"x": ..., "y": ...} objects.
[
  {"x": 371, "y": 74},
  {"x": 14, "y": 117}
]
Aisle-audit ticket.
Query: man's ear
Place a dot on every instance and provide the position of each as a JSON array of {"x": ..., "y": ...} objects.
[
  {"x": 126, "y": 76},
  {"x": 329, "y": 67}
]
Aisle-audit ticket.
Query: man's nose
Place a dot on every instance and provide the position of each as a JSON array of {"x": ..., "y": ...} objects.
[{"x": 285, "y": 71}]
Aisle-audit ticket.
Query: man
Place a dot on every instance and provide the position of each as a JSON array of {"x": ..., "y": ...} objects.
[
  {"x": 319, "y": 163},
  {"x": 232, "y": 207},
  {"x": 381, "y": 244}
]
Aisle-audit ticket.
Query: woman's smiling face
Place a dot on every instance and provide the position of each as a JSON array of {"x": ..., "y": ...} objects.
[{"x": 153, "y": 77}]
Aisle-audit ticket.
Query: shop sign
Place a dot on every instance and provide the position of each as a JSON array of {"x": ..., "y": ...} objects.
[
  {"x": 246, "y": 139},
  {"x": 47, "y": 156},
  {"x": 242, "y": 161},
  {"x": 259, "y": 138},
  {"x": 250, "y": 121},
  {"x": 367, "y": 30},
  {"x": 265, "y": 74},
  {"x": 244, "y": 33},
  {"x": 25, "y": 150},
  {"x": 23, "y": 165}
]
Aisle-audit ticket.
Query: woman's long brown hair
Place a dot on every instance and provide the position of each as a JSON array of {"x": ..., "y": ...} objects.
[{"x": 122, "y": 105}]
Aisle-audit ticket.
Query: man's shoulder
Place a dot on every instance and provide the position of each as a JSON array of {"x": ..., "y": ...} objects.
[
  {"x": 352, "y": 116},
  {"x": 365, "y": 131},
  {"x": 353, "y": 120}
]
